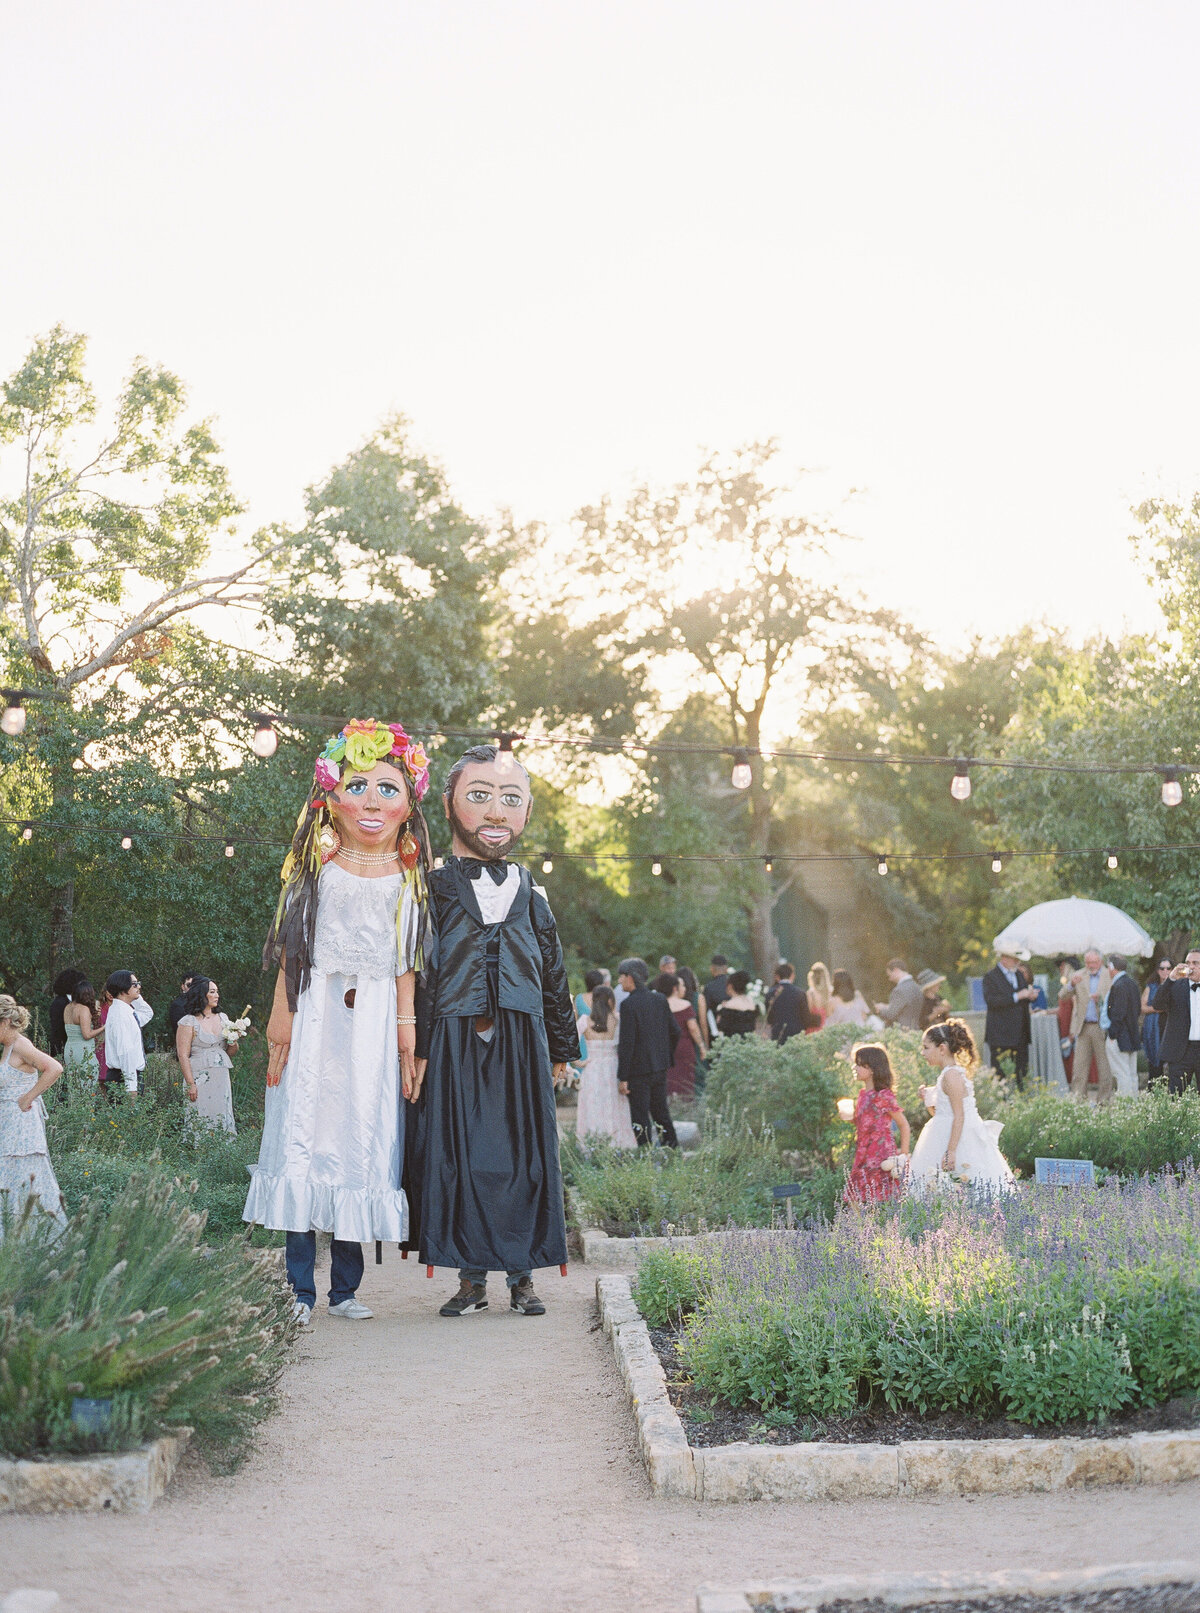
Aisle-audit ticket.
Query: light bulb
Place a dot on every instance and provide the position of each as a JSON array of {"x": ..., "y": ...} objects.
[
  {"x": 960, "y": 784},
  {"x": 547, "y": 865},
  {"x": 229, "y": 850},
  {"x": 504, "y": 753},
  {"x": 882, "y": 866},
  {"x": 769, "y": 864},
  {"x": 997, "y": 865},
  {"x": 265, "y": 741},
  {"x": 13, "y": 720},
  {"x": 26, "y": 833},
  {"x": 1172, "y": 790},
  {"x": 1112, "y": 859},
  {"x": 656, "y": 868},
  {"x": 741, "y": 778},
  {"x": 126, "y": 842}
]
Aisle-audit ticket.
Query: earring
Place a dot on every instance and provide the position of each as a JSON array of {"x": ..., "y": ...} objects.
[
  {"x": 329, "y": 843},
  {"x": 409, "y": 850}
]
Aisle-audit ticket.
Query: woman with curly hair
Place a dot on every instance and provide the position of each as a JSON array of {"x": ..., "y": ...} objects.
[
  {"x": 347, "y": 937},
  {"x": 956, "y": 1142},
  {"x": 25, "y": 1073}
]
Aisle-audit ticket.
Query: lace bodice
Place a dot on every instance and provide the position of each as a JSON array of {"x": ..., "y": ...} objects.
[
  {"x": 944, "y": 1105},
  {"x": 356, "y": 925}
]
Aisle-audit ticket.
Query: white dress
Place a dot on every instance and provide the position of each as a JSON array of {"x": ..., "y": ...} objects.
[
  {"x": 211, "y": 1065},
  {"x": 977, "y": 1155},
  {"x": 603, "y": 1111},
  {"x": 25, "y": 1168},
  {"x": 333, "y": 1131}
]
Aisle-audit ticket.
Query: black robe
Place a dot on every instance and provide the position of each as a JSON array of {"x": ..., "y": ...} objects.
[{"x": 481, "y": 1159}]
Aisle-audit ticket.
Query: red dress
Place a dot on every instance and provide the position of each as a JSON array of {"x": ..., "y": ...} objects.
[
  {"x": 873, "y": 1118},
  {"x": 681, "y": 1077}
]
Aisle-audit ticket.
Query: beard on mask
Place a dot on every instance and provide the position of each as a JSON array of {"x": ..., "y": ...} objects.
[{"x": 480, "y": 848}]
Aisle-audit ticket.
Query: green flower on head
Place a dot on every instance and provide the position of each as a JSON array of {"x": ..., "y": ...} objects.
[{"x": 367, "y": 743}]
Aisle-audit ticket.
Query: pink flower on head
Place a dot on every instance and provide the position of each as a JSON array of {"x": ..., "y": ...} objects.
[
  {"x": 401, "y": 740},
  {"x": 328, "y": 774},
  {"x": 417, "y": 763}
]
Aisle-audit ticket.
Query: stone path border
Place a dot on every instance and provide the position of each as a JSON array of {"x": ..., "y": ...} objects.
[
  {"x": 820, "y": 1472},
  {"x": 917, "y": 1590},
  {"x": 112, "y": 1481}
]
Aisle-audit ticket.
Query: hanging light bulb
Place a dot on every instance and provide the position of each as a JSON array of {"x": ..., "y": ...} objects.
[
  {"x": 1112, "y": 859},
  {"x": 741, "y": 778},
  {"x": 882, "y": 866},
  {"x": 504, "y": 753},
  {"x": 547, "y": 865},
  {"x": 27, "y": 833},
  {"x": 13, "y": 721},
  {"x": 997, "y": 865},
  {"x": 960, "y": 784},
  {"x": 230, "y": 849},
  {"x": 1172, "y": 790},
  {"x": 769, "y": 864},
  {"x": 126, "y": 842},
  {"x": 265, "y": 741},
  {"x": 656, "y": 868}
]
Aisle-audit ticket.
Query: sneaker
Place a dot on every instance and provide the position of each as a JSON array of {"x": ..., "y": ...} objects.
[
  {"x": 470, "y": 1297},
  {"x": 352, "y": 1308},
  {"x": 522, "y": 1298},
  {"x": 302, "y": 1313}
]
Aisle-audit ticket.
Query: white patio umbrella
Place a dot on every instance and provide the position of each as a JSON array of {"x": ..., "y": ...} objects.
[{"x": 1073, "y": 925}]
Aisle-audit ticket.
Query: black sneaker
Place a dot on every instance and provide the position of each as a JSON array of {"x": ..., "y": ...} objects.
[
  {"x": 470, "y": 1297},
  {"x": 522, "y": 1298}
]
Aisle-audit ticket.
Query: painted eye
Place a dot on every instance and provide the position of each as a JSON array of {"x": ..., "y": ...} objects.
[
  {"x": 388, "y": 790},
  {"x": 479, "y": 796},
  {"x": 358, "y": 787},
  {"x": 511, "y": 799}
]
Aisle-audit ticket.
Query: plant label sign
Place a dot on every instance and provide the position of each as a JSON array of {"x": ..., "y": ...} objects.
[{"x": 1065, "y": 1172}]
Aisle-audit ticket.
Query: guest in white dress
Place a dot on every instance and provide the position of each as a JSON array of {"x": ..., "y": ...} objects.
[
  {"x": 603, "y": 1111},
  {"x": 956, "y": 1143},
  {"x": 846, "y": 1005},
  {"x": 341, "y": 1038},
  {"x": 203, "y": 1057},
  {"x": 25, "y": 1073}
]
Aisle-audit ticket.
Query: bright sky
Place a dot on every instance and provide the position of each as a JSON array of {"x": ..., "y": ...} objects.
[{"x": 946, "y": 252}]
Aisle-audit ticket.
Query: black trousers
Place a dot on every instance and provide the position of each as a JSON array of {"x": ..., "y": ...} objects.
[
  {"x": 648, "y": 1102},
  {"x": 1020, "y": 1060},
  {"x": 1182, "y": 1072}
]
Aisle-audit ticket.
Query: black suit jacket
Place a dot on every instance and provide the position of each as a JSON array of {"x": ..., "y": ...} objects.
[
  {"x": 1007, "y": 1021},
  {"x": 648, "y": 1035},
  {"x": 789, "y": 1013},
  {"x": 1125, "y": 1013},
  {"x": 1174, "y": 1004}
]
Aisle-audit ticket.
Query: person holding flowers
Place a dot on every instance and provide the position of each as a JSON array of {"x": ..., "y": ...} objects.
[
  {"x": 874, "y": 1113},
  {"x": 348, "y": 937},
  {"x": 957, "y": 1144}
]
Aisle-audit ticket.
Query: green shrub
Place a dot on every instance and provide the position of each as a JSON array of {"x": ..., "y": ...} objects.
[
  {"x": 1130, "y": 1136},
  {"x": 128, "y": 1304},
  {"x": 669, "y": 1284}
]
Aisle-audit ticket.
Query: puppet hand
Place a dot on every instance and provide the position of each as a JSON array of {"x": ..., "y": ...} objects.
[
  {"x": 279, "y": 1041},
  {"x": 623, "y": 1088},
  {"x": 559, "y": 1072},
  {"x": 418, "y": 1080},
  {"x": 406, "y": 1037}
]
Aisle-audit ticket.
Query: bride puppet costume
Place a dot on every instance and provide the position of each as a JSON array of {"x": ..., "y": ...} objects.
[
  {"x": 973, "y": 1155},
  {"x": 347, "y": 936}
]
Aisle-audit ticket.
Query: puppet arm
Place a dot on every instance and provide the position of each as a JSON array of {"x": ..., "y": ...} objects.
[
  {"x": 558, "y": 1010},
  {"x": 406, "y": 1030},
  {"x": 279, "y": 1027}
]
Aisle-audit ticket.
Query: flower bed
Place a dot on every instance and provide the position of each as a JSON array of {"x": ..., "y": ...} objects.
[
  {"x": 127, "y": 1325},
  {"x": 1129, "y": 1136},
  {"x": 1052, "y": 1307}
]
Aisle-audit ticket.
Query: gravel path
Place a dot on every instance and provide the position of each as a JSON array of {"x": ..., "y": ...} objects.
[{"x": 438, "y": 1466}]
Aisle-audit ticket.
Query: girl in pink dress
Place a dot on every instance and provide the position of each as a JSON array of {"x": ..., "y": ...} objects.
[{"x": 876, "y": 1110}]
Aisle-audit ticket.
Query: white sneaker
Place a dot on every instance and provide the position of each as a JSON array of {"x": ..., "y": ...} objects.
[
  {"x": 302, "y": 1313},
  {"x": 352, "y": 1308}
]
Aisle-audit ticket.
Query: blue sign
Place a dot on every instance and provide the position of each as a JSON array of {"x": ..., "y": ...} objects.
[{"x": 1065, "y": 1172}]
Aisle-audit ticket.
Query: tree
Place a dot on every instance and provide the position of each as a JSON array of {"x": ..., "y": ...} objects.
[{"x": 105, "y": 537}]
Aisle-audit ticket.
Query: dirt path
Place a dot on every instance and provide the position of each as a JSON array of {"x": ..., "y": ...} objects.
[{"x": 438, "y": 1466}]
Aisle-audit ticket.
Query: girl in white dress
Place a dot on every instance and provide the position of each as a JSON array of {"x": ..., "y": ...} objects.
[
  {"x": 25, "y": 1073},
  {"x": 956, "y": 1143},
  {"x": 341, "y": 1038},
  {"x": 603, "y": 1112}
]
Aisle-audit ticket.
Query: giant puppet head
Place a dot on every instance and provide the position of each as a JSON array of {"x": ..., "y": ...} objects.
[
  {"x": 488, "y": 801},
  {"x": 371, "y": 777}
]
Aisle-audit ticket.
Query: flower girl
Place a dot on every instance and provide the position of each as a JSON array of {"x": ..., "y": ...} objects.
[{"x": 956, "y": 1142}]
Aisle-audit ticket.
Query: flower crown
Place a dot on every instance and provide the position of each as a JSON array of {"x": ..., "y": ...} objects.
[{"x": 364, "y": 742}]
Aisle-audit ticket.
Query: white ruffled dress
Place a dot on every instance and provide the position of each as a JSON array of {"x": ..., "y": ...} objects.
[
  {"x": 333, "y": 1131},
  {"x": 977, "y": 1158}
]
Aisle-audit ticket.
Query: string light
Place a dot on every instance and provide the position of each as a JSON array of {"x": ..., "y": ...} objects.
[
  {"x": 882, "y": 867},
  {"x": 769, "y": 864},
  {"x": 504, "y": 752},
  {"x": 265, "y": 741},
  {"x": 547, "y": 865},
  {"x": 741, "y": 778},
  {"x": 997, "y": 865},
  {"x": 230, "y": 849},
  {"x": 1172, "y": 790},
  {"x": 656, "y": 868},
  {"x": 960, "y": 784},
  {"x": 27, "y": 833},
  {"x": 1112, "y": 859},
  {"x": 13, "y": 720},
  {"x": 126, "y": 842}
]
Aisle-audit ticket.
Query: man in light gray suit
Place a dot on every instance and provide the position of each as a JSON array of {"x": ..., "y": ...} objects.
[{"x": 903, "y": 1007}]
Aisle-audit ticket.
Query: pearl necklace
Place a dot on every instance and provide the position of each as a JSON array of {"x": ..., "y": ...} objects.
[{"x": 372, "y": 857}]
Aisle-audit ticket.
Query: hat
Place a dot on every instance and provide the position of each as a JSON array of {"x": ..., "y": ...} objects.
[
  {"x": 928, "y": 978},
  {"x": 1023, "y": 953}
]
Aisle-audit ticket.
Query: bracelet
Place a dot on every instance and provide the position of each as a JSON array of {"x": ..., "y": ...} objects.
[{"x": 406, "y": 1019}]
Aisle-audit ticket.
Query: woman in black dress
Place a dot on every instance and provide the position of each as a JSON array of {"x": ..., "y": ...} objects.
[{"x": 737, "y": 1015}]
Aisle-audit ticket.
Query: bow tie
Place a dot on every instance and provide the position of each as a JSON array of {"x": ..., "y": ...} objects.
[
  {"x": 474, "y": 866},
  {"x": 1195, "y": 984}
]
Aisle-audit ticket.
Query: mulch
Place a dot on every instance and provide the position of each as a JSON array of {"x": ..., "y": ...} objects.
[{"x": 710, "y": 1422}]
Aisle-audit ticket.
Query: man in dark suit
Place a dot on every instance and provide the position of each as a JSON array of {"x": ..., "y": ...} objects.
[
  {"x": 645, "y": 1052},
  {"x": 1007, "y": 999},
  {"x": 789, "y": 1013},
  {"x": 1123, "y": 1011},
  {"x": 1178, "y": 1005}
]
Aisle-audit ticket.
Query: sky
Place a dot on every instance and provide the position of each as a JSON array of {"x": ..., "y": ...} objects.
[{"x": 945, "y": 253}]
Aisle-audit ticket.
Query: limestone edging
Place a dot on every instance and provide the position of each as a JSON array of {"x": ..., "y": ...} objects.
[{"x": 109, "y": 1481}]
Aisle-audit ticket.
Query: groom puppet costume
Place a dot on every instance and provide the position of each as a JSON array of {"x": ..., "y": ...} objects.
[{"x": 495, "y": 1030}]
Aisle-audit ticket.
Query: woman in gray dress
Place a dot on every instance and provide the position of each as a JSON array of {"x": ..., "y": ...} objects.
[
  {"x": 200, "y": 1044},
  {"x": 25, "y": 1073}
]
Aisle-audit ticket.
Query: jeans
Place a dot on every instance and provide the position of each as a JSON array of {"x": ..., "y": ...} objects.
[
  {"x": 468, "y": 1274},
  {"x": 647, "y": 1103},
  {"x": 345, "y": 1267}
]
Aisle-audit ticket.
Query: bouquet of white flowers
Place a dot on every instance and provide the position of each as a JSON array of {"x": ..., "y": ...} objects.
[{"x": 232, "y": 1030}]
